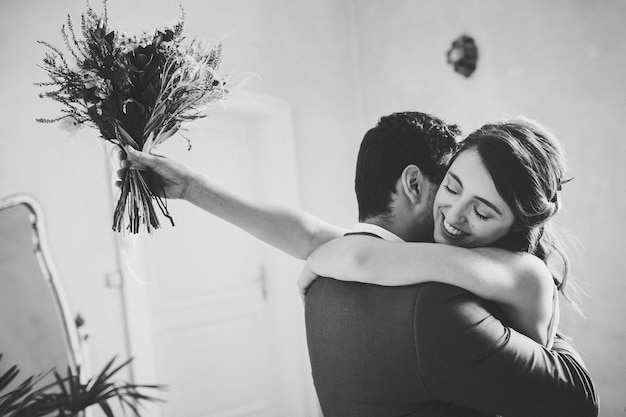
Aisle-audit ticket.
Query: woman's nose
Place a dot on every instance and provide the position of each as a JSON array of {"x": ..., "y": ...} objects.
[{"x": 455, "y": 213}]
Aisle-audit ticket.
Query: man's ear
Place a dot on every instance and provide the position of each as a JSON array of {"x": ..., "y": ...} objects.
[{"x": 412, "y": 183}]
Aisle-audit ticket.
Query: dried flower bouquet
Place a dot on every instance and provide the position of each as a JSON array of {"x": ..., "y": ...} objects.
[{"x": 137, "y": 91}]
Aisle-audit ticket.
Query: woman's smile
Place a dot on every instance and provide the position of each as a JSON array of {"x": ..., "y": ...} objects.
[{"x": 451, "y": 230}]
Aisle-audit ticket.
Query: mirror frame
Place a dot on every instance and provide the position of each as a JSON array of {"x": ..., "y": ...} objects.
[{"x": 71, "y": 336}]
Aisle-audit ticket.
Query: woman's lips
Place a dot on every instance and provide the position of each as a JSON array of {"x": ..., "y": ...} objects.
[{"x": 451, "y": 231}]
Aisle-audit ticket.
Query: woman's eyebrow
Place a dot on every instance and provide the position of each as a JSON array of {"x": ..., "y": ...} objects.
[
  {"x": 456, "y": 178},
  {"x": 488, "y": 204}
]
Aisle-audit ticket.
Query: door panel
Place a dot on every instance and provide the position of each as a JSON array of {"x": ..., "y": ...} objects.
[
  {"x": 213, "y": 312},
  {"x": 207, "y": 291}
]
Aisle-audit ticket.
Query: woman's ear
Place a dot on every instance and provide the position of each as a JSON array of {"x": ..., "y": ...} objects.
[{"x": 412, "y": 186}]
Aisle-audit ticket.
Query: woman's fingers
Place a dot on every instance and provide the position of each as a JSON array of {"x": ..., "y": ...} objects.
[
  {"x": 140, "y": 160},
  {"x": 305, "y": 280}
]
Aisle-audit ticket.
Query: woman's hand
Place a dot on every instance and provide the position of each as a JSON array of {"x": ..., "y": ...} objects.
[
  {"x": 175, "y": 177},
  {"x": 307, "y": 276}
]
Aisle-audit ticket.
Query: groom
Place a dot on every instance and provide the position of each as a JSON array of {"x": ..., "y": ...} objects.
[
  {"x": 421, "y": 350},
  {"x": 429, "y": 349}
]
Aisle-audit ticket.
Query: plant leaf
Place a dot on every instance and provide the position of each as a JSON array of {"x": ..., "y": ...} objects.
[{"x": 124, "y": 137}]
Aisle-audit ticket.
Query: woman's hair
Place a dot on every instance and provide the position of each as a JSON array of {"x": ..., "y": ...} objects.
[{"x": 527, "y": 165}]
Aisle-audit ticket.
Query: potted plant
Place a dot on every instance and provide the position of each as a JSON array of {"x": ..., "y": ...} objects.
[{"x": 69, "y": 396}]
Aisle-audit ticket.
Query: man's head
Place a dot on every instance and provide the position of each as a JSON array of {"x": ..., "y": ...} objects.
[{"x": 400, "y": 164}]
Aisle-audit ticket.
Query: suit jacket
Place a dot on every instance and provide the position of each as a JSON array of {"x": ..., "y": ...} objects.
[{"x": 433, "y": 350}]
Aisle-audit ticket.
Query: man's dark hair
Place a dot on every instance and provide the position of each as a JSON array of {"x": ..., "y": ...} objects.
[{"x": 399, "y": 140}]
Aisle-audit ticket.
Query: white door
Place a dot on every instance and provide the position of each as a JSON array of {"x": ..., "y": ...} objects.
[{"x": 226, "y": 327}]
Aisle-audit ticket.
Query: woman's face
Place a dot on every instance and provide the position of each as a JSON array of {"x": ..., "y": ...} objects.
[{"x": 468, "y": 210}]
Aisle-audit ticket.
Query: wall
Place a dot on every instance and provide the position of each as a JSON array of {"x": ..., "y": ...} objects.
[
  {"x": 342, "y": 65},
  {"x": 559, "y": 62}
]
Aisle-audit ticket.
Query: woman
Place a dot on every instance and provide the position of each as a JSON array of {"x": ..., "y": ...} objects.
[{"x": 498, "y": 195}]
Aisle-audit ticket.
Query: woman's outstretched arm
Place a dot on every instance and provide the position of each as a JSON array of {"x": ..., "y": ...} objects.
[
  {"x": 520, "y": 283},
  {"x": 293, "y": 231}
]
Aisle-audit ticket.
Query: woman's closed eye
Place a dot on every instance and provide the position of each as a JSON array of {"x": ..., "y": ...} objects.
[
  {"x": 450, "y": 190},
  {"x": 479, "y": 214}
]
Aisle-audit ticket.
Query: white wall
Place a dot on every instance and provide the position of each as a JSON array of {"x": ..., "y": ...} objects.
[
  {"x": 342, "y": 64},
  {"x": 559, "y": 62}
]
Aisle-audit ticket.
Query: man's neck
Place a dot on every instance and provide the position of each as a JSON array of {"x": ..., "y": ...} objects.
[
  {"x": 389, "y": 224},
  {"x": 409, "y": 232}
]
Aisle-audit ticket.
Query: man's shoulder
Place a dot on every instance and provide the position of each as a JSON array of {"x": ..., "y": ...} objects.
[
  {"x": 429, "y": 294},
  {"x": 327, "y": 291},
  {"x": 427, "y": 304},
  {"x": 435, "y": 294},
  {"x": 446, "y": 305},
  {"x": 454, "y": 328}
]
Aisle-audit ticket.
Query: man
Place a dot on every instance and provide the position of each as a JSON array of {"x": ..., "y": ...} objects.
[{"x": 422, "y": 350}]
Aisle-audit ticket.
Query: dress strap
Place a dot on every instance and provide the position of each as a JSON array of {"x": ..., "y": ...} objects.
[{"x": 554, "y": 321}]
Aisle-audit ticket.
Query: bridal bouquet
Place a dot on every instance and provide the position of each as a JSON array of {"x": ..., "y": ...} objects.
[{"x": 137, "y": 91}]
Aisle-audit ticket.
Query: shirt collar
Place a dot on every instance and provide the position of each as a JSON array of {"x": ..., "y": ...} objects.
[{"x": 376, "y": 230}]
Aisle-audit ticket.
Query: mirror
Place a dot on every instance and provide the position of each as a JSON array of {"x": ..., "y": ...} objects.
[{"x": 37, "y": 330}]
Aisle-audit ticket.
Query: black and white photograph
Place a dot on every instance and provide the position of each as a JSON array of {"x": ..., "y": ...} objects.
[{"x": 312, "y": 208}]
